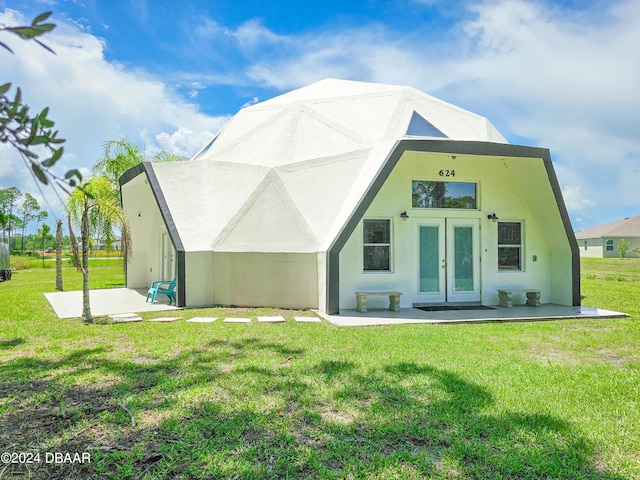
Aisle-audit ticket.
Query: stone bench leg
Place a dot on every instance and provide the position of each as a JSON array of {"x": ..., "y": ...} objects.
[
  {"x": 533, "y": 299},
  {"x": 394, "y": 303},
  {"x": 504, "y": 299},
  {"x": 361, "y": 302}
]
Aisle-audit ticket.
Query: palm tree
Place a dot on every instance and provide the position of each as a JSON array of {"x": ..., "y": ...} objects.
[
  {"x": 96, "y": 208},
  {"x": 118, "y": 156},
  {"x": 59, "y": 255},
  {"x": 44, "y": 234}
]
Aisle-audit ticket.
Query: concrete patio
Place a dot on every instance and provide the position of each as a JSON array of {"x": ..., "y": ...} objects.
[
  {"x": 115, "y": 301},
  {"x": 352, "y": 318},
  {"x": 109, "y": 301}
]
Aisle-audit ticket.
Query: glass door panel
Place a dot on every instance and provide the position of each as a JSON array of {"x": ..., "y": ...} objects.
[
  {"x": 429, "y": 259},
  {"x": 463, "y": 259}
]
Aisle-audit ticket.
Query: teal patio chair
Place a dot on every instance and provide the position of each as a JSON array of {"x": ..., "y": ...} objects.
[{"x": 163, "y": 287}]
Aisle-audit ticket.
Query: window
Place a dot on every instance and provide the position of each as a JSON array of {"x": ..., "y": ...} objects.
[
  {"x": 376, "y": 240},
  {"x": 428, "y": 194},
  {"x": 509, "y": 246},
  {"x": 421, "y": 127},
  {"x": 609, "y": 245}
]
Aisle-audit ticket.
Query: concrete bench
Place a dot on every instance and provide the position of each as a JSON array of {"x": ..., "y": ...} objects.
[
  {"x": 394, "y": 299},
  {"x": 505, "y": 296}
]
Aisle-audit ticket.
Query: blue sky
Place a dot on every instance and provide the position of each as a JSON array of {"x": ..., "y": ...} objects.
[{"x": 168, "y": 75}]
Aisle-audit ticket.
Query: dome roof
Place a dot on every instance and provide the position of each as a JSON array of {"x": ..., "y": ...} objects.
[{"x": 286, "y": 173}]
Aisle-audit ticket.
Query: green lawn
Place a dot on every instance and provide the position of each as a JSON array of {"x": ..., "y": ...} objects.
[{"x": 556, "y": 399}]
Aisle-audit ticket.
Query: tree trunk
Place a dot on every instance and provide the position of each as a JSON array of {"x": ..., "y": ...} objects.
[
  {"x": 86, "y": 306},
  {"x": 75, "y": 255},
  {"x": 59, "y": 255}
]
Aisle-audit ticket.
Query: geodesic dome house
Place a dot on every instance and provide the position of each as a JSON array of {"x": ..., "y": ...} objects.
[{"x": 340, "y": 186}]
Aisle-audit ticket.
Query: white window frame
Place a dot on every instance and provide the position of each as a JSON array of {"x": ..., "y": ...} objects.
[
  {"x": 390, "y": 245},
  {"x": 520, "y": 246}
]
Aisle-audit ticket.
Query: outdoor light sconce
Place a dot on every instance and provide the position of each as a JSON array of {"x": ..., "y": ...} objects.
[
  {"x": 493, "y": 217},
  {"x": 404, "y": 216}
]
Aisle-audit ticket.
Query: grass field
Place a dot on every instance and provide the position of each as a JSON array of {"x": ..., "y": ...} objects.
[{"x": 555, "y": 399}]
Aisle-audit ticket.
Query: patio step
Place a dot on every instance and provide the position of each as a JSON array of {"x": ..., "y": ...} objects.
[
  {"x": 237, "y": 320},
  {"x": 202, "y": 319},
  {"x": 125, "y": 318},
  {"x": 307, "y": 319},
  {"x": 273, "y": 319}
]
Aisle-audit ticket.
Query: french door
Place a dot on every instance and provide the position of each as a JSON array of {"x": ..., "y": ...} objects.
[{"x": 449, "y": 260}]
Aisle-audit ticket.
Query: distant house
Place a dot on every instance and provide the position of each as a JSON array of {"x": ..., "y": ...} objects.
[
  {"x": 602, "y": 241},
  {"x": 340, "y": 186}
]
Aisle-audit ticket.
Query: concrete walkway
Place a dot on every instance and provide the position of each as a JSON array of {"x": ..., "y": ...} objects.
[
  {"x": 352, "y": 318},
  {"x": 108, "y": 301}
]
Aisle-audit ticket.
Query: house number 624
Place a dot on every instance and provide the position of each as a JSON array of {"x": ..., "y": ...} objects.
[{"x": 447, "y": 173}]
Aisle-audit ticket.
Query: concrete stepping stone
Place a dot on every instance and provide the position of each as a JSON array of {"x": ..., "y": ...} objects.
[
  {"x": 202, "y": 319},
  {"x": 308, "y": 319},
  {"x": 163, "y": 319},
  {"x": 274, "y": 319},
  {"x": 125, "y": 318},
  {"x": 237, "y": 320}
]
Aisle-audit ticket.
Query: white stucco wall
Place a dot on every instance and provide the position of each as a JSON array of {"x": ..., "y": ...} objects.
[
  {"x": 148, "y": 262},
  {"x": 287, "y": 280},
  {"x": 515, "y": 189},
  {"x": 199, "y": 279}
]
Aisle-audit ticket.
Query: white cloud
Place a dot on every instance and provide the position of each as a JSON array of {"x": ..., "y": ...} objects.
[
  {"x": 575, "y": 199},
  {"x": 559, "y": 78},
  {"x": 544, "y": 74},
  {"x": 253, "y": 101},
  {"x": 183, "y": 141},
  {"x": 92, "y": 100}
]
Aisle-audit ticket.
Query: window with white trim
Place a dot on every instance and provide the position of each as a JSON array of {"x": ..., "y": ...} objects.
[
  {"x": 376, "y": 245},
  {"x": 609, "y": 245},
  {"x": 509, "y": 246}
]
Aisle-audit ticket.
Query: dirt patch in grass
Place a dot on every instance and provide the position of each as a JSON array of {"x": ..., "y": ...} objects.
[
  {"x": 551, "y": 354},
  {"x": 86, "y": 424},
  {"x": 52, "y": 410}
]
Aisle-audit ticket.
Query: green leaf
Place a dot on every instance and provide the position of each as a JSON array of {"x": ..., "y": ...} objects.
[
  {"x": 43, "y": 120},
  {"x": 41, "y": 18},
  {"x": 73, "y": 173},
  {"x": 56, "y": 155},
  {"x": 38, "y": 140},
  {"x": 39, "y": 173},
  {"x": 4, "y": 88},
  {"x": 26, "y": 33},
  {"x": 18, "y": 99}
]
